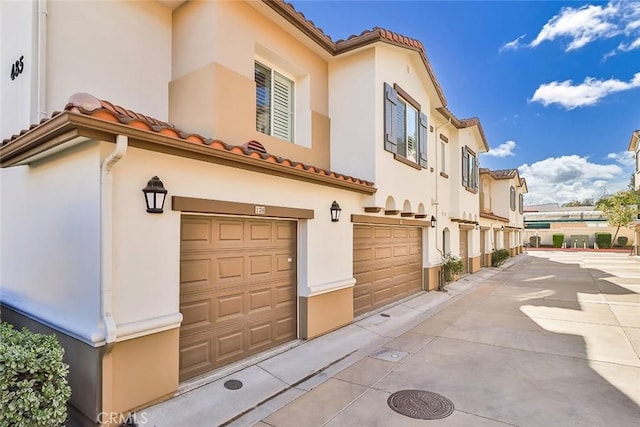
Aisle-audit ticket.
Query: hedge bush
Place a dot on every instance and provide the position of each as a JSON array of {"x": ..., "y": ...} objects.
[
  {"x": 603, "y": 240},
  {"x": 499, "y": 257},
  {"x": 33, "y": 379},
  {"x": 452, "y": 266},
  {"x": 623, "y": 240},
  {"x": 558, "y": 240}
]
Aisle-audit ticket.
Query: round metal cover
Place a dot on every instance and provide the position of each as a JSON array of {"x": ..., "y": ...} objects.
[
  {"x": 233, "y": 384},
  {"x": 420, "y": 404}
]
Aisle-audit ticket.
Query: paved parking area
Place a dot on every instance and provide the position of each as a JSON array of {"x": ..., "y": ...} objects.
[
  {"x": 553, "y": 340},
  {"x": 550, "y": 339}
]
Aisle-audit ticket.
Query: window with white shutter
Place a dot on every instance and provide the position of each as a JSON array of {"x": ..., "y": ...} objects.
[{"x": 274, "y": 103}]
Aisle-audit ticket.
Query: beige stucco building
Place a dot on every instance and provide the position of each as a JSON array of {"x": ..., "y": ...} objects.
[
  {"x": 256, "y": 122},
  {"x": 634, "y": 147},
  {"x": 501, "y": 211}
]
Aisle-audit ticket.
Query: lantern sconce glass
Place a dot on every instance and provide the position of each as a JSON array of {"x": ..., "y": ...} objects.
[
  {"x": 154, "y": 195},
  {"x": 335, "y": 211},
  {"x": 477, "y": 227},
  {"x": 433, "y": 221}
]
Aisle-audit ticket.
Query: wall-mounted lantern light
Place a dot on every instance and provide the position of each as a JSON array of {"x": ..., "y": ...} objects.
[
  {"x": 154, "y": 195},
  {"x": 433, "y": 221},
  {"x": 335, "y": 211},
  {"x": 477, "y": 227}
]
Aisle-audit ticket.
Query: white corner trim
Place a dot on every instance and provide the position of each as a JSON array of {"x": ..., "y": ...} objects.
[
  {"x": 324, "y": 288},
  {"x": 127, "y": 331}
]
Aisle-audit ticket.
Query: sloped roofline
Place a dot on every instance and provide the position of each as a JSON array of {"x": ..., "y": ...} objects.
[
  {"x": 90, "y": 117},
  {"x": 367, "y": 37},
  {"x": 634, "y": 141}
]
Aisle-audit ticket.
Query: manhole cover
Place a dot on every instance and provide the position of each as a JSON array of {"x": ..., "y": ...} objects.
[
  {"x": 423, "y": 405},
  {"x": 233, "y": 384}
]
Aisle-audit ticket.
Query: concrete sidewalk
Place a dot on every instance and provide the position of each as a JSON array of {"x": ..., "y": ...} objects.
[{"x": 548, "y": 339}]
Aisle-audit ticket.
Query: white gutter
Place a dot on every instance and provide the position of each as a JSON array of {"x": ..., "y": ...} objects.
[
  {"x": 106, "y": 237},
  {"x": 41, "y": 103}
]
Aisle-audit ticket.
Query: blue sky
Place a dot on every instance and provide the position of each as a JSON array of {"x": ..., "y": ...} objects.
[{"x": 556, "y": 85}]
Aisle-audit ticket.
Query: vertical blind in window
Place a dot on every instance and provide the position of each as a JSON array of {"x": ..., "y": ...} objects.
[{"x": 274, "y": 103}]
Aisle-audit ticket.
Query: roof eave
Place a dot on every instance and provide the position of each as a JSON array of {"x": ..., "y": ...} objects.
[{"x": 69, "y": 125}]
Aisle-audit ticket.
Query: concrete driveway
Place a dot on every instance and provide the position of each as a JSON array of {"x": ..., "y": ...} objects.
[{"x": 551, "y": 341}]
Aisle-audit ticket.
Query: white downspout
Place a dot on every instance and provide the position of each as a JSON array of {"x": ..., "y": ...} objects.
[
  {"x": 106, "y": 237},
  {"x": 437, "y": 202},
  {"x": 41, "y": 103}
]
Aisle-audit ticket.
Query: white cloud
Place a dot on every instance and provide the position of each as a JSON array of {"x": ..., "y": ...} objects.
[
  {"x": 589, "y": 92},
  {"x": 503, "y": 150},
  {"x": 625, "y": 158},
  {"x": 567, "y": 178},
  {"x": 626, "y": 47},
  {"x": 512, "y": 45},
  {"x": 581, "y": 26}
]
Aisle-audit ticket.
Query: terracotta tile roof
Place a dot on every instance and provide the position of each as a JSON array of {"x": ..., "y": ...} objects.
[
  {"x": 465, "y": 123},
  {"x": 377, "y": 34},
  {"x": 88, "y": 105},
  {"x": 504, "y": 174}
]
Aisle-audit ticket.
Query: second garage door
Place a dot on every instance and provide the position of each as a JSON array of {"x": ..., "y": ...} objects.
[
  {"x": 387, "y": 265},
  {"x": 237, "y": 289}
]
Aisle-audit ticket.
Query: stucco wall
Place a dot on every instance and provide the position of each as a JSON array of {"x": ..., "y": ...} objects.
[
  {"x": 199, "y": 28},
  {"x": 93, "y": 47},
  {"x": 50, "y": 241},
  {"x": 120, "y": 51},
  {"x": 146, "y": 262}
]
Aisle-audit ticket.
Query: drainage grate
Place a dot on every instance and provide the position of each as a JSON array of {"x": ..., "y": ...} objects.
[
  {"x": 233, "y": 384},
  {"x": 423, "y": 405}
]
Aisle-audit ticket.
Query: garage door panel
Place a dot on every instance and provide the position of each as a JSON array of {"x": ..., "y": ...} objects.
[
  {"x": 260, "y": 335},
  {"x": 285, "y": 263},
  {"x": 229, "y": 232},
  {"x": 285, "y": 233},
  {"x": 383, "y": 253},
  {"x": 196, "y": 356},
  {"x": 382, "y": 233},
  {"x": 260, "y": 231},
  {"x": 284, "y": 294},
  {"x": 260, "y": 299},
  {"x": 387, "y": 265},
  {"x": 260, "y": 265},
  {"x": 229, "y": 268},
  {"x": 196, "y": 233},
  {"x": 237, "y": 290},
  {"x": 196, "y": 314}
]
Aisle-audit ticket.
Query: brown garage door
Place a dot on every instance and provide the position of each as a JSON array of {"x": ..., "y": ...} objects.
[
  {"x": 387, "y": 265},
  {"x": 464, "y": 250},
  {"x": 237, "y": 289}
]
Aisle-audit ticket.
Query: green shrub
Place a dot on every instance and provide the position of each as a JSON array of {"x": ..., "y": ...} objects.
[
  {"x": 499, "y": 257},
  {"x": 452, "y": 265},
  {"x": 623, "y": 240},
  {"x": 603, "y": 240},
  {"x": 33, "y": 379},
  {"x": 558, "y": 240}
]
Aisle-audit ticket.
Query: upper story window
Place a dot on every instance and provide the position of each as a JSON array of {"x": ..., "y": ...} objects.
[
  {"x": 520, "y": 203},
  {"x": 405, "y": 126},
  {"x": 443, "y": 154},
  {"x": 512, "y": 198},
  {"x": 274, "y": 103},
  {"x": 470, "y": 169}
]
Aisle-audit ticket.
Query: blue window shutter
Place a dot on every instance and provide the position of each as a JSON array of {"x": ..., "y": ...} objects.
[
  {"x": 390, "y": 119},
  {"x": 422, "y": 136}
]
